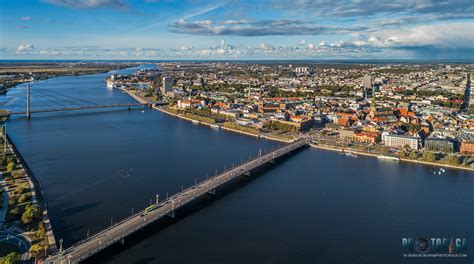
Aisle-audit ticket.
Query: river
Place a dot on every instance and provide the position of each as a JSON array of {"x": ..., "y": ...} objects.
[{"x": 314, "y": 207}]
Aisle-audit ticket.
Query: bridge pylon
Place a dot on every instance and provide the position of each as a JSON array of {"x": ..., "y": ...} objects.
[{"x": 28, "y": 100}]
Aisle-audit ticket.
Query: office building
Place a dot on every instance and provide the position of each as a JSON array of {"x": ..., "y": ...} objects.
[{"x": 167, "y": 85}]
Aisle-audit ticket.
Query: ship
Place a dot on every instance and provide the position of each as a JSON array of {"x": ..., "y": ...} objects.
[
  {"x": 350, "y": 154},
  {"x": 390, "y": 158},
  {"x": 110, "y": 84}
]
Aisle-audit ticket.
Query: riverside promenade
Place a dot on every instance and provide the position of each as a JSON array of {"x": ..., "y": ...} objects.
[{"x": 118, "y": 232}]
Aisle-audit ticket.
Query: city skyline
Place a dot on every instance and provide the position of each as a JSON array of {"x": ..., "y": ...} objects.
[{"x": 114, "y": 29}]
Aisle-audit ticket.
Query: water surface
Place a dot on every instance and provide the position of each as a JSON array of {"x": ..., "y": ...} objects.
[{"x": 314, "y": 207}]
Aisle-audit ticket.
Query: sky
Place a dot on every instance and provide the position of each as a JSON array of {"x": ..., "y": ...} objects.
[{"x": 237, "y": 29}]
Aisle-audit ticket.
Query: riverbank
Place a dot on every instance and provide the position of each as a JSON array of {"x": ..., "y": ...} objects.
[
  {"x": 161, "y": 109},
  {"x": 22, "y": 177},
  {"x": 358, "y": 152},
  {"x": 134, "y": 96},
  {"x": 200, "y": 122},
  {"x": 23, "y": 72}
]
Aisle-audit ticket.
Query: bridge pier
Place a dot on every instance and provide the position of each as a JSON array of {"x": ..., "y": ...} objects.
[
  {"x": 28, "y": 99},
  {"x": 171, "y": 214}
]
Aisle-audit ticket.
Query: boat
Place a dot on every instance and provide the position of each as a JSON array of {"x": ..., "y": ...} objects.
[
  {"x": 350, "y": 154},
  {"x": 195, "y": 122},
  {"x": 215, "y": 126},
  {"x": 390, "y": 158}
]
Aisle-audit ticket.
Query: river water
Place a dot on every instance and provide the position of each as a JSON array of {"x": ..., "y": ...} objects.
[{"x": 313, "y": 207}]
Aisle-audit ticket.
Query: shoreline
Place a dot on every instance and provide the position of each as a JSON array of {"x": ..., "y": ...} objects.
[
  {"x": 338, "y": 149},
  {"x": 222, "y": 127},
  {"x": 323, "y": 147},
  {"x": 37, "y": 196}
]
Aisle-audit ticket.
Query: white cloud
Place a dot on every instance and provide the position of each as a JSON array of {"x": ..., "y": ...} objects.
[
  {"x": 85, "y": 4},
  {"x": 25, "y": 47},
  {"x": 451, "y": 35}
]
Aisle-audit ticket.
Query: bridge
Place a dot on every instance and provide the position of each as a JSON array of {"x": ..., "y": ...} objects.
[
  {"x": 79, "y": 103},
  {"x": 118, "y": 232},
  {"x": 73, "y": 108}
]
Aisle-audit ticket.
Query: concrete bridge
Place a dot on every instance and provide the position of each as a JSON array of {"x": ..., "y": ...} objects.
[{"x": 118, "y": 232}]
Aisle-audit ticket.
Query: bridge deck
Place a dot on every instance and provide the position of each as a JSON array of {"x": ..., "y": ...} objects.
[
  {"x": 75, "y": 108},
  {"x": 122, "y": 229}
]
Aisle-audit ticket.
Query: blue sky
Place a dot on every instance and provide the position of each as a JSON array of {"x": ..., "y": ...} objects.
[{"x": 236, "y": 29}]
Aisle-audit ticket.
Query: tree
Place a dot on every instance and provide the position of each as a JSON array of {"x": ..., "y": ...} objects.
[
  {"x": 10, "y": 166},
  {"x": 403, "y": 153},
  {"x": 36, "y": 249},
  {"x": 15, "y": 211},
  {"x": 453, "y": 160},
  {"x": 429, "y": 156},
  {"x": 31, "y": 213},
  {"x": 41, "y": 230},
  {"x": 11, "y": 258},
  {"x": 22, "y": 198},
  {"x": 413, "y": 155}
]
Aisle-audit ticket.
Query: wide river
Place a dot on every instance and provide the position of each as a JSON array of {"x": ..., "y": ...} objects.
[{"x": 314, "y": 207}]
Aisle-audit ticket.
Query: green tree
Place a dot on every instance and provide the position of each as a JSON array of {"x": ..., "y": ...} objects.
[
  {"x": 453, "y": 160},
  {"x": 403, "y": 153},
  {"x": 413, "y": 155},
  {"x": 41, "y": 230},
  {"x": 11, "y": 258},
  {"x": 10, "y": 166},
  {"x": 36, "y": 249},
  {"x": 31, "y": 213},
  {"x": 429, "y": 156},
  {"x": 22, "y": 198},
  {"x": 15, "y": 211}
]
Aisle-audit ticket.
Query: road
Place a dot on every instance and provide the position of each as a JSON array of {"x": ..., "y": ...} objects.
[{"x": 13, "y": 238}]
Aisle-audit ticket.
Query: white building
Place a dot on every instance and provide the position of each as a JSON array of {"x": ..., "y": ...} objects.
[
  {"x": 302, "y": 70},
  {"x": 399, "y": 141}
]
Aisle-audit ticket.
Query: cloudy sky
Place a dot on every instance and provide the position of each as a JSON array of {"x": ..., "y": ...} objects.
[{"x": 237, "y": 29}]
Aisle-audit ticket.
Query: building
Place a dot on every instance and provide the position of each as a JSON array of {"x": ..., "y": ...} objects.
[
  {"x": 191, "y": 103},
  {"x": 370, "y": 137},
  {"x": 399, "y": 141},
  {"x": 302, "y": 70},
  {"x": 302, "y": 124},
  {"x": 467, "y": 147},
  {"x": 167, "y": 85},
  {"x": 265, "y": 106},
  {"x": 439, "y": 145},
  {"x": 467, "y": 94},
  {"x": 367, "y": 81}
]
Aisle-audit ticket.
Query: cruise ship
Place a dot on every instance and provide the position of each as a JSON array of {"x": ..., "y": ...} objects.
[{"x": 110, "y": 83}]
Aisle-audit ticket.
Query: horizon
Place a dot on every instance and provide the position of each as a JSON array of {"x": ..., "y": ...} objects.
[{"x": 237, "y": 30}]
